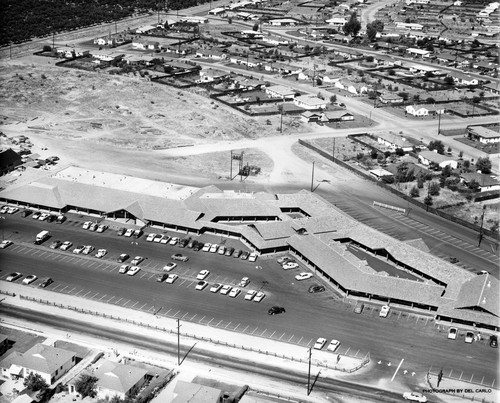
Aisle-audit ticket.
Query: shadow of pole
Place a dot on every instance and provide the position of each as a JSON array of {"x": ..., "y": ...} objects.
[
  {"x": 314, "y": 381},
  {"x": 187, "y": 353}
]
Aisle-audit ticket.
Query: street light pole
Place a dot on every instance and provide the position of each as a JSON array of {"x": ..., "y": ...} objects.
[
  {"x": 178, "y": 341},
  {"x": 312, "y": 177},
  {"x": 439, "y": 123},
  {"x": 309, "y": 373}
]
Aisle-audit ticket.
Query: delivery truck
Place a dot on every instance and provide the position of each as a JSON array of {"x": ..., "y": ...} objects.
[{"x": 42, "y": 237}]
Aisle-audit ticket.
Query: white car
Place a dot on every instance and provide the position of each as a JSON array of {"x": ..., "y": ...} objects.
[
  {"x": 222, "y": 250},
  {"x": 94, "y": 226},
  {"x": 469, "y": 337},
  {"x": 165, "y": 239},
  {"x": 384, "y": 311},
  {"x": 5, "y": 243},
  {"x": 66, "y": 245},
  {"x": 171, "y": 278},
  {"x": 290, "y": 265},
  {"x": 202, "y": 275},
  {"x": 250, "y": 295},
  {"x": 102, "y": 228},
  {"x": 12, "y": 210},
  {"x": 151, "y": 237},
  {"x": 78, "y": 250},
  {"x": 201, "y": 285},
  {"x": 158, "y": 238},
  {"x": 320, "y": 343},
  {"x": 133, "y": 270},
  {"x": 252, "y": 257},
  {"x": 87, "y": 224},
  {"x": 129, "y": 232},
  {"x": 216, "y": 287},
  {"x": 101, "y": 253},
  {"x": 137, "y": 260},
  {"x": 452, "y": 333},
  {"x": 29, "y": 279},
  {"x": 259, "y": 296},
  {"x": 244, "y": 282},
  {"x": 225, "y": 289},
  {"x": 214, "y": 248},
  {"x": 14, "y": 276},
  {"x": 415, "y": 396},
  {"x": 4, "y": 209},
  {"x": 174, "y": 240},
  {"x": 124, "y": 268},
  {"x": 333, "y": 346},
  {"x": 88, "y": 250},
  {"x": 170, "y": 266},
  {"x": 303, "y": 276},
  {"x": 206, "y": 247},
  {"x": 234, "y": 292},
  {"x": 43, "y": 216}
]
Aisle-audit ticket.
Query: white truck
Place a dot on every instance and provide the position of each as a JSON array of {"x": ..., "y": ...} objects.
[{"x": 42, "y": 237}]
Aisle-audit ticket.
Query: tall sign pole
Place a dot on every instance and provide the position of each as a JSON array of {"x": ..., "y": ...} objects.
[
  {"x": 309, "y": 374},
  {"x": 178, "y": 341}
]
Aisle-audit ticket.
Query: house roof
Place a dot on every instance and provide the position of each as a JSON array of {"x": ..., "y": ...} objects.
[
  {"x": 9, "y": 157},
  {"x": 484, "y": 132},
  {"x": 336, "y": 114},
  {"x": 483, "y": 179},
  {"x": 213, "y": 73},
  {"x": 118, "y": 377},
  {"x": 435, "y": 157},
  {"x": 195, "y": 393},
  {"x": 395, "y": 139},
  {"x": 389, "y": 96},
  {"x": 310, "y": 100},
  {"x": 281, "y": 90},
  {"x": 41, "y": 358}
]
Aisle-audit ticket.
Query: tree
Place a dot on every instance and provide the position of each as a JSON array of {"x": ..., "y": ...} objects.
[
  {"x": 372, "y": 28},
  {"x": 47, "y": 48},
  {"x": 414, "y": 192},
  {"x": 387, "y": 154},
  {"x": 369, "y": 59},
  {"x": 373, "y": 154},
  {"x": 391, "y": 72},
  {"x": 428, "y": 201},
  {"x": 434, "y": 188},
  {"x": 483, "y": 165},
  {"x": 448, "y": 80},
  {"x": 353, "y": 26},
  {"x": 35, "y": 382},
  {"x": 333, "y": 99},
  {"x": 399, "y": 152},
  {"x": 436, "y": 145},
  {"x": 255, "y": 27},
  {"x": 403, "y": 95},
  {"x": 446, "y": 172},
  {"x": 416, "y": 98},
  {"x": 430, "y": 100},
  {"x": 86, "y": 386}
]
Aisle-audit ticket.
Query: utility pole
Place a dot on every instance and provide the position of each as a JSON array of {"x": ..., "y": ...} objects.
[
  {"x": 314, "y": 75},
  {"x": 481, "y": 228},
  {"x": 312, "y": 177},
  {"x": 309, "y": 374},
  {"x": 231, "y": 167},
  {"x": 281, "y": 117},
  {"x": 439, "y": 123},
  {"x": 53, "y": 38},
  {"x": 333, "y": 150},
  {"x": 178, "y": 341}
]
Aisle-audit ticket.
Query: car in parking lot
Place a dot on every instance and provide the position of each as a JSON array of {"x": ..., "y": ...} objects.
[
  {"x": 290, "y": 265},
  {"x": 275, "y": 310},
  {"x": 120, "y": 231},
  {"x": 216, "y": 287},
  {"x": 415, "y": 397},
  {"x": 359, "y": 308},
  {"x": 88, "y": 250},
  {"x": 259, "y": 296},
  {"x": 124, "y": 268},
  {"x": 225, "y": 289},
  {"x": 137, "y": 233},
  {"x": 26, "y": 213},
  {"x": 165, "y": 239},
  {"x": 158, "y": 238},
  {"x": 102, "y": 228},
  {"x": 179, "y": 256},
  {"x": 43, "y": 216},
  {"x": 4, "y": 209},
  {"x": 66, "y": 245},
  {"x": 234, "y": 292},
  {"x": 5, "y": 243},
  {"x": 174, "y": 240},
  {"x": 29, "y": 279},
  {"x": 229, "y": 251},
  {"x": 213, "y": 248},
  {"x": 221, "y": 250},
  {"x": 151, "y": 237},
  {"x": 203, "y": 274},
  {"x": 133, "y": 270},
  {"x": 137, "y": 260},
  {"x": 55, "y": 244},
  {"x": 237, "y": 253},
  {"x": 101, "y": 253},
  {"x": 316, "y": 288},
  {"x": 197, "y": 246},
  {"x": 320, "y": 343},
  {"x": 252, "y": 257},
  {"x": 51, "y": 218},
  {"x": 171, "y": 278},
  {"x": 36, "y": 215},
  {"x": 12, "y": 210},
  {"x": 244, "y": 255},
  {"x": 93, "y": 226},
  {"x": 129, "y": 233},
  {"x": 161, "y": 277},
  {"x": 170, "y": 266},
  {"x": 244, "y": 282},
  {"x": 452, "y": 333},
  {"x": 191, "y": 244},
  {"x": 250, "y": 295},
  {"x": 206, "y": 247},
  {"x": 123, "y": 257},
  {"x": 14, "y": 276},
  {"x": 469, "y": 337},
  {"x": 303, "y": 276},
  {"x": 384, "y": 311},
  {"x": 87, "y": 224},
  {"x": 201, "y": 285},
  {"x": 60, "y": 219},
  {"x": 493, "y": 341},
  {"x": 333, "y": 346},
  {"x": 283, "y": 259},
  {"x": 46, "y": 282},
  {"x": 78, "y": 249},
  {"x": 183, "y": 242}
]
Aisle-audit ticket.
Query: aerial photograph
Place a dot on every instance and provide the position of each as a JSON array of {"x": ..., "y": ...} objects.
[{"x": 249, "y": 201}]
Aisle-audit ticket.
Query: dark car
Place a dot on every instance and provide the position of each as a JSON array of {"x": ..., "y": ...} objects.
[
  {"x": 244, "y": 255},
  {"x": 316, "y": 288},
  {"x": 60, "y": 219},
  {"x": 275, "y": 310},
  {"x": 237, "y": 253},
  {"x": 122, "y": 258},
  {"x": 162, "y": 277},
  {"x": 26, "y": 213},
  {"x": 493, "y": 341},
  {"x": 197, "y": 246},
  {"x": 183, "y": 242},
  {"x": 51, "y": 218},
  {"x": 46, "y": 282},
  {"x": 137, "y": 233},
  {"x": 120, "y": 231},
  {"x": 190, "y": 244},
  {"x": 453, "y": 260},
  {"x": 229, "y": 251}
]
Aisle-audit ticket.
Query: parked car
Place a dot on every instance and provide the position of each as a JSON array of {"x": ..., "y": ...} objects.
[
  {"x": 4, "y": 209},
  {"x": 174, "y": 240},
  {"x": 202, "y": 275},
  {"x": 384, "y": 311},
  {"x": 121, "y": 231},
  {"x": 36, "y": 215},
  {"x": 129, "y": 232},
  {"x": 290, "y": 265},
  {"x": 284, "y": 259},
  {"x": 229, "y": 251},
  {"x": 452, "y": 333},
  {"x": 493, "y": 341},
  {"x": 55, "y": 244},
  {"x": 201, "y": 285},
  {"x": 87, "y": 224},
  {"x": 137, "y": 260},
  {"x": 45, "y": 283},
  {"x": 359, "y": 308},
  {"x": 303, "y": 276},
  {"x": 26, "y": 213},
  {"x": 29, "y": 279},
  {"x": 88, "y": 250},
  {"x": 275, "y": 310},
  {"x": 51, "y": 218},
  {"x": 150, "y": 237},
  {"x": 244, "y": 255},
  {"x": 333, "y": 346},
  {"x": 213, "y": 248},
  {"x": 123, "y": 257},
  {"x": 415, "y": 397},
  {"x": 244, "y": 282},
  {"x": 137, "y": 233},
  {"x": 221, "y": 250},
  {"x": 225, "y": 289},
  {"x": 165, "y": 239},
  {"x": 158, "y": 238},
  {"x": 60, "y": 219},
  {"x": 124, "y": 268},
  {"x": 5, "y": 243},
  {"x": 101, "y": 253},
  {"x": 78, "y": 249},
  {"x": 234, "y": 292},
  {"x": 206, "y": 247},
  {"x": 250, "y": 295},
  {"x": 469, "y": 337},
  {"x": 66, "y": 245},
  {"x": 191, "y": 244},
  {"x": 178, "y": 256},
  {"x": 237, "y": 253},
  {"x": 320, "y": 343},
  {"x": 170, "y": 266},
  {"x": 252, "y": 257},
  {"x": 14, "y": 276},
  {"x": 102, "y": 228},
  {"x": 197, "y": 246},
  {"x": 93, "y": 226},
  {"x": 43, "y": 217},
  {"x": 216, "y": 287},
  {"x": 12, "y": 210},
  {"x": 259, "y": 296},
  {"x": 183, "y": 242},
  {"x": 133, "y": 270},
  {"x": 171, "y": 278},
  {"x": 316, "y": 288},
  {"x": 162, "y": 277}
]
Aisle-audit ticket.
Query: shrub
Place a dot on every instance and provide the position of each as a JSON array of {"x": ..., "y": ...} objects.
[
  {"x": 434, "y": 188},
  {"x": 414, "y": 192}
]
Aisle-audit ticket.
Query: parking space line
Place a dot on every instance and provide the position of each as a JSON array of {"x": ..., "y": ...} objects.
[
  {"x": 183, "y": 281},
  {"x": 125, "y": 303},
  {"x": 166, "y": 313},
  {"x": 103, "y": 297},
  {"x": 135, "y": 304},
  {"x": 300, "y": 340},
  {"x": 109, "y": 300},
  {"x": 56, "y": 287},
  {"x": 144, "y": 273},
  {"x": 201, "y": 319},
  {"x": 63, "y": 289},
  {"x": 95, "y": 295},
  {"x": 88, "y": 292},
  {"x": 142, "y": 306},
  {"x": 237, "y": 326},
  {"x": 177, "y": 313},
  {"x": 152, "y": 275},
  {"x": 70, "y": 291},
  {"x": 217, "y": 325},
  {"x": 78, "y": 292},
  {"x": 347, "y": 350},
  {"x": 118, "y": 300},
  {"x": 290, "y": 338},
  {"x": 184, "y": 315},
  {"x": 210, "y": 321},
  {"x": 227, "y": 325}
]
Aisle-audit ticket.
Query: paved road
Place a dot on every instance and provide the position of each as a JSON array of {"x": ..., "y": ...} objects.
[{"x": 414, "y": 337}]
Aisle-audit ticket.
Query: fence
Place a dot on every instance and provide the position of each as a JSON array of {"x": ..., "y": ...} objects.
[
  {"x": 365, "y": 361},
  {"x": 388, "y": 206},
  {"x": 409, "y": 199},
  {"x": 458, "y": 392}
]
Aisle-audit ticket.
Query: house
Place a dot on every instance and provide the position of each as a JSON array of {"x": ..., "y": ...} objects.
[
  {"x": 9, "y": 160},
  {"x": 336, "y": 116},
  {"x": 49, "y": 362},
  {"x": 310, "y": 102},
  {"x": 4, "y": 343},
  {"x": 486, "y": 182},
  {"x": 351, "y": 87},
  {"x": 210, "y": 75},
  {"x": 145, "y": 45},
  {"x": 283, "y": 22},
  {"x": 463, "y": 79},
  {"x": 196, "y": 393},
  {"x": 388, "y": 98},
  {"x": 275, "y": 40},
  {"x": 245, "y": 61},
  {"x": 348, "y": 54},
  {"x": 419, "y": 52},
  {"x": 394, "y": 141},
  {"x": 251, "y": 34},
  {"x": 407, "y": 25},
  {"x": 429, "y": 157},
  {"x": 381, "y": 173},
  {"x": 309, "y": 116},
  {"x": 281, "y": 92},
  {"x": 242, "y": 82},
  {"x": 194, "y": 20},
  {"x": 337, "y": 22},
  {"x": 217, "y": 11},
  {"x": 493, "y": 87},
  {"x": 211, "y": 54},
  {"x": 483, "y": 134},
  {"x": 106, "y": 55},
  {"x": 421, "y": 110},
  {"x": 24, "y": 398},
  {"x": 340, "y": 38},
  {"x": 145, "y": 28}
]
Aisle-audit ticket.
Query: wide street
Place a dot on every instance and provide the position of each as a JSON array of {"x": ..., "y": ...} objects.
[{"x": 410, "y": 335}]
